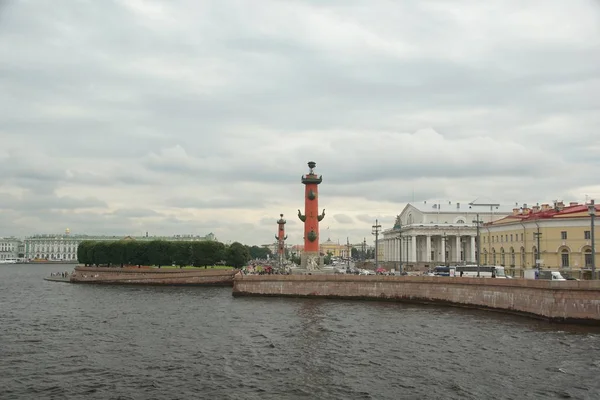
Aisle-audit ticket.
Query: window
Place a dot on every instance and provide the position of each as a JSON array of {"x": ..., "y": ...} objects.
[
  {"x": 460, "y": 221},
  {"x": 522, "y": 257},
  {"x": 521, "y": 237},
  {"x": 511, "y": 237},
  {"x": 588, "y": 258},
  {"x": 502, "y": 257},
  {"x": 564, "y": 257},
  {"x": 587, "y": 235},
  {"x": 494, "y": 256},
  {"x": 512, "y": 257},
  {"x": 563, "y": 235}
]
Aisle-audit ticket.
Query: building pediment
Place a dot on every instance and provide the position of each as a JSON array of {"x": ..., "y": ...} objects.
[{"x": 410, "y": 215}]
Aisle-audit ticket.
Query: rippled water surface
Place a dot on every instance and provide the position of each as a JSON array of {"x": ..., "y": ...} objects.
[{"x": 65, "y": 341}]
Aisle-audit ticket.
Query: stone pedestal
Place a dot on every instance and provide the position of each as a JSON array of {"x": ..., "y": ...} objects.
[{"x": 311, "y": 261}]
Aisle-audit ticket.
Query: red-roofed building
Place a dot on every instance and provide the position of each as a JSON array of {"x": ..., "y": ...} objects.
[{"x": 564, "y": 238}]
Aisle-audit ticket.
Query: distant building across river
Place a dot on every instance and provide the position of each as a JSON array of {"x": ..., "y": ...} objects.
[{"x": 63, "y": 247}]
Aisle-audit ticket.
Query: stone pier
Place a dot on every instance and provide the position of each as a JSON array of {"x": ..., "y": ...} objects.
[{"x": 561, "y": 301}]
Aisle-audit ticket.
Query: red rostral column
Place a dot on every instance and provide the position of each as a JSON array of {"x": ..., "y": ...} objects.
[
  {"x": 311, "y": 257},
  {"x": 281, "y": 237}
]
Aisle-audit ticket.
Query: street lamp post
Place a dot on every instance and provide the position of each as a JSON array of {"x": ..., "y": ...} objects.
[
  {"x": 538, "y": 260},
  {"x": 376, "y": 228},
  {"x": 349, "y": 253},
  {"x": 491, "y": 206},
  {"x": 400, "y": 253},
  {"x": 592, "y": 212},
  {"x": 478, "y": 244}
]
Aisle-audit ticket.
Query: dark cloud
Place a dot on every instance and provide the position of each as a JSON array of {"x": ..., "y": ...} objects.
[{"x": 192, "y": 117}]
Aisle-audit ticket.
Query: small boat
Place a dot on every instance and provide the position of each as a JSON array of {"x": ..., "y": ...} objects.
[{"x": 9, "y": 261}]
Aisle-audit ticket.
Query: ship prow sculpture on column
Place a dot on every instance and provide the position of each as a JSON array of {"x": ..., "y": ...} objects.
[{"x": 311, "y": 259}]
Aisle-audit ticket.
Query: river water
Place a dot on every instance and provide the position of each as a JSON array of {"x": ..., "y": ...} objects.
[{"x": 66, "y": 341}]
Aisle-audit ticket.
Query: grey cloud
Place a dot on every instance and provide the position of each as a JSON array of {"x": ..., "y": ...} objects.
[
  {"x": 210, "y": 202},
  {"x": 134, "y": 213},
  {"x": 49, "y": 202},
  {"x": 343, "y": 218},
  {"x": 206, "y": 113}
]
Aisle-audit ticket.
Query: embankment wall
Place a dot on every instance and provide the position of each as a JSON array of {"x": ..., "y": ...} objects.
[
  {"x": 153, "y": 276},
  {"x": 564, "y": 301}
]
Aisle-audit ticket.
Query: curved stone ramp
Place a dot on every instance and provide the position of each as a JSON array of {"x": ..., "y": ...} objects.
[{"x": 153, "y": 276}]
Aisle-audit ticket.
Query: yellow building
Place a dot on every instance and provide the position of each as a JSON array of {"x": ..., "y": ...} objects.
[
  {"x": 335, "y": 249},
  {"x": 557, "y": 237}
]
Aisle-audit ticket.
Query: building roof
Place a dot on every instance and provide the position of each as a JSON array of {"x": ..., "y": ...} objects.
[
  {"x": 545, "y": 211},
  {"x": 457, "y": 207}
]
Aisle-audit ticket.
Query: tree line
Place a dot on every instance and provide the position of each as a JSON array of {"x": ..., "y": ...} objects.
[{"x": 163, "y": 253}]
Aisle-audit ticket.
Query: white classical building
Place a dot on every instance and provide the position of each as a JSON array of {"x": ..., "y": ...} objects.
[
  {"x": 434, "y": 233},
  {"x": 9, "y": 248}
]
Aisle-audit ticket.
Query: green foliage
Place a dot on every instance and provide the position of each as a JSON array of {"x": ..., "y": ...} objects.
[
  {"x": 237, "y": 255},
  {"x": 161, "y": 253},
  {"x": 259, "y": 252},
  {"x": 182, "y": 253},
  {"x": 327, "y": 258}
]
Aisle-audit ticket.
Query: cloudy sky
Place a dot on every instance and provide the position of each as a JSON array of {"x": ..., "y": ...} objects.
[{"x": 197, "y": 116}]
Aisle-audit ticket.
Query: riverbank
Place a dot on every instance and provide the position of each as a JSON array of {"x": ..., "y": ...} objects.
[
  {"x": 565, "y": 301},
  {"x": 153, "y": 276}
]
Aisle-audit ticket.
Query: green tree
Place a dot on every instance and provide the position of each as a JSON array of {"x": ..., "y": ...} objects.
[
  {"x": 199, "y": 254},
  {"x": 182, "y": 253},
  {"x": 237, "y": 255},
  {"x": 355, "y": 253},
  {"x": 215, "y": 252},
  {"x": 327, "y": 258},
  {"x": 259, "y": 252},
  {"x": 159, "y": 253},
  {"x": 100, "y": 253},
  {"x": 83, "y": 256},
  {"x": 116, "y": 251}
]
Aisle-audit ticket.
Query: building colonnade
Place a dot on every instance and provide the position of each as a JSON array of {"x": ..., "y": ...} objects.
[{"x": 430, "y": 248}]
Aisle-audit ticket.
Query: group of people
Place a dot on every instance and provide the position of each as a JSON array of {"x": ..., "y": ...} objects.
[
  {"x": 264, "y": 270},
  {"x": 61, "y": 274}
]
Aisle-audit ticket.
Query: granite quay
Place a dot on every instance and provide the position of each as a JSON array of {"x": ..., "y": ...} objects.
[
  {"x": 153, "y": 276},
  {"x": 565, "y": 301}
]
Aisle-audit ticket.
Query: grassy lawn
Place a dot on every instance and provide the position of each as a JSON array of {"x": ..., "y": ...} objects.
[{"x": 190, "y": 267}]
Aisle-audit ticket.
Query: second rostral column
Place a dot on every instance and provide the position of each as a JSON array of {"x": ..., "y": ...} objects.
[{"x": 311, "y": 257}]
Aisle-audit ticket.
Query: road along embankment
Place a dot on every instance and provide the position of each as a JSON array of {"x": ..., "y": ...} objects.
[
  {"x": 560, "y": 301},
  {"x": 153, "y": 276}
]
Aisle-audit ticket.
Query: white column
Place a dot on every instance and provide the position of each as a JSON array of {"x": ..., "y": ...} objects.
[
  {"x": 473, "y": 250},
  {"x": 458, "y": 249},
  {"x": 428, "y": 248},
  {"x": 386, "y": 249},
  {"x": 413, "y": 249}
]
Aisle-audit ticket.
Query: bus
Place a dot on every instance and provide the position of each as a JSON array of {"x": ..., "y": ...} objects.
[
  {"x": 485, "y": 271},
  {"x": 442, "y": 270}
]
